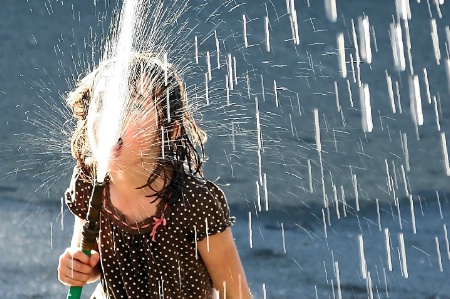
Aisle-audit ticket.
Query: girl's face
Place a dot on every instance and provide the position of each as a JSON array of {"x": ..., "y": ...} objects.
[{"x": 139, "y": 146}]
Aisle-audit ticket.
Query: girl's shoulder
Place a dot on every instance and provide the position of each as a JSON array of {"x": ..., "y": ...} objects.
[
  {"x": 203, "y": 208},
  {"x": 199, "y": 188},
  {"x": 200, "y": 196}
]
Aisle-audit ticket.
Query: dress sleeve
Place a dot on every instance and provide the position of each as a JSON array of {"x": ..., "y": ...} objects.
[
  {"x": 78, "y": 194},
  {"x": 207, "y": 211}
]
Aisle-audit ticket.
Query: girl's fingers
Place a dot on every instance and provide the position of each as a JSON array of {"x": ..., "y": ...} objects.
[
  {"x": 77, "y": 266},
  {"x": 70, "y": 277},
  {"x": 75, "y": 259},
  {"x": 95, "y": 257},
  {"x": 79, "y": 255}
]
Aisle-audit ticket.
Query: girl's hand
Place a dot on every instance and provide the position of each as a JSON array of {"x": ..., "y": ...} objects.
[{"x": 75, "y": 268}]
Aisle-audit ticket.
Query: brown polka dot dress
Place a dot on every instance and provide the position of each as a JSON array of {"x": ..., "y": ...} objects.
[{"x": 157, "y": 257}]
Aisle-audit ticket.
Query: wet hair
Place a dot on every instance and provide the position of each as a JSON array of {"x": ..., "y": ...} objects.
[{"x": 183, "y": 153}]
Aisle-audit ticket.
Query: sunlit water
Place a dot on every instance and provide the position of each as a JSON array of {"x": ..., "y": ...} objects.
[{"x": 327, "y": 119}]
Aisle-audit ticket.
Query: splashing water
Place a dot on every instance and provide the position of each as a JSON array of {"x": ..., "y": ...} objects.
[{"x": 110, "y": 94}]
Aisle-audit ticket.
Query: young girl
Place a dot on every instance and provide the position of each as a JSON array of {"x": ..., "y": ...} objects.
[{"x": 164, "y": 230}]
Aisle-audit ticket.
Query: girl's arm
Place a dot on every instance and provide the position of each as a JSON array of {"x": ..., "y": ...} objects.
[
  {"x": 221, "y": 258},
  {"x": 77, "y": 229}
]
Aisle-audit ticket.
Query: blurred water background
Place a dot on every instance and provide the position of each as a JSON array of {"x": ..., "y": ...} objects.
[{"x": 382, "y": 179}]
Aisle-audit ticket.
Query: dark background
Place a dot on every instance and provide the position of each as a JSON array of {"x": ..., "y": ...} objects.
[{"x": 46, "y": 45}]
